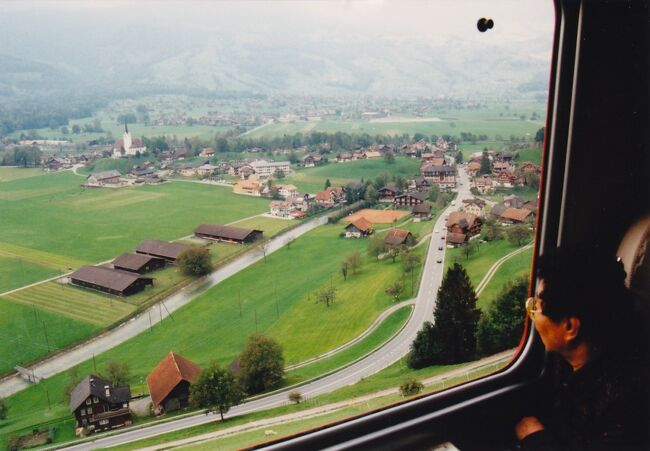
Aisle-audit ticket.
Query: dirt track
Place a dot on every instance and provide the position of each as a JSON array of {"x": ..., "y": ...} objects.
[{"x": 377, "y": 216}]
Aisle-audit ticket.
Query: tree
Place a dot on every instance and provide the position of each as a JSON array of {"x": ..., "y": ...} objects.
[
  {"x": 118, "y": 373},
  {"x": 453, "y": 337},
  {"x": 501, "y": 326},
  {"x": 195, "y": 262},
  {"x": 395, "y": 289},
  {"x": 216, "y": 389},
  {"x": 72, "y": 380},
  {"x": 469, "y": 248},
  {"x": 295, "y": 397},
  {"x": 327, "y": 295},
  {"x": 493, "y": 232},
  {"x": 393, "y": 253},
  {"x": 279, "y": 174},
  {"x": 518, "y": 234},
  {"x": 376, "y": 246},
  {"x": 410, "y": 261},
  {"x": 3, "y": 409},
  {"x": 354, "y": 260},
  {"x": 411, "y": 387},
  {"x": 539, "y": 136},
  {"x": 345, "y": 265},
  {"x": 485, "y": 163},
  {"x": 371, "y": 194},
  {"x": 389, "y": 157},
  {"x": 327, "y": 183},
  {"x": 459, "y": 157},
  {"x": 76, "y": 129},
  {"x": 434, "y": 193},
  {"x": 264, "y": 249},
  {"x": 261, "y": 364}
]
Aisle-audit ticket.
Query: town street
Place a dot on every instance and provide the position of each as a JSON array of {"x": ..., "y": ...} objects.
[{"x": 380, "y": 359}]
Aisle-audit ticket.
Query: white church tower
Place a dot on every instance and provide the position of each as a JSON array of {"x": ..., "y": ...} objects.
[{"x": 126, "y": 139}]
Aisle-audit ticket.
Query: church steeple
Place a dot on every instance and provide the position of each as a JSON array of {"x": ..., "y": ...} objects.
[{"x": 126, "y": 129}]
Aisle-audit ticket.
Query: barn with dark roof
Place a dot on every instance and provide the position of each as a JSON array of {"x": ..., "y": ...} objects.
[
  {"x": 162, "y": 249},
  {"x": 138, "y": 263},
  {"x": 227, "y": 234},
  {"x": 112, "y": 281}
]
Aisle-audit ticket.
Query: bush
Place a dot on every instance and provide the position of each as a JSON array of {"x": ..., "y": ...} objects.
[
  {"x": 411, "y": 387},
  {"x": 195, "y": 261},
  {"x": 295, "y": 397}
]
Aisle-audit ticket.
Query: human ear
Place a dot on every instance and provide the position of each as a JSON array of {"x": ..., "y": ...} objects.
[{"x": 571, "y": 328}]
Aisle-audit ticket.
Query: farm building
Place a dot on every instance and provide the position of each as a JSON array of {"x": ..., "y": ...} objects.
[
  {"x": 98, "y": 406},
  {"x": 139, "y": 263},
  {"x": 104, "y": 178},
  {"x": 248, "y": 187},
  {"x": 162, "y": 249},
  {"x": 387, "y": 193},
  {"x": 358, "y": 228},
  {"x": 227, "y": 234},
  {"x": 516, "y": 215},
  {"x": 465, "y": 223},
  {"x": 169, "y": 383},
  {"x": 421, "y": 211},
  {"x": 410, "y": 199},
  {"x": 456, "y": 239},
  {"x": 397, "y": 237},
  {"x": 121, "y": 283}
]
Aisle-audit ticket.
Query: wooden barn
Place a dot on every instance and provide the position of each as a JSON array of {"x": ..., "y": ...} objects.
[
  {"x": 161, "y": 249},
  {"x": 138, "y": 263},
  {"x": 112, "y": 281},
  {"x": 397, "y": 237},
  {"x": 421, "y": 211},
  {"x": 227, "y": 234},
  {"x": 359, "y": 228},
  {"x": 98, "y": 406},
  {"x": 169, "y": 383}
]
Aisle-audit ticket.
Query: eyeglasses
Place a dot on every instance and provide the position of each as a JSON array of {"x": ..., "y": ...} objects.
[{"x": 531, "y": 308}]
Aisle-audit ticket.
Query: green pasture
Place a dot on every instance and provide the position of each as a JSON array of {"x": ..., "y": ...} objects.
[
  {"x": 513, "y": 268},
  {"x": 277, "y": 298},
  {"x": 16, "y": 273},
  {"x": 527, "y": 193},
  {"x": 53, "y": 214},
  {"x": 312, "y": 180},
  {"x": 27, "y": 333},
  {"x": 8, "y": 174},
  {"x": 533, "y": 154}
]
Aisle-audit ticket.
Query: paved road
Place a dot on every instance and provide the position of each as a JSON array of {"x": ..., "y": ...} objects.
[
  {"x": 387, "y": 355},
  {"x": 151, "y": 316}
]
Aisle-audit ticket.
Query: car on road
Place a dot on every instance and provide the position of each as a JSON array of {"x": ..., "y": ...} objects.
[
  {"x": 440, "y": 248},
  {"x": 439, "y": 260}
]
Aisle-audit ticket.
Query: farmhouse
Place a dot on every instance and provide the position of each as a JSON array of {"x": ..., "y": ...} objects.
[
  {"x": 98, "y": 406},
  {"x": 248, "y": 187},
  {"x": 372, "y": 154},
  {"x": 484, "y": 184},
  {"x": 121, "y": 283},
  {"x": 515, "y": 215},
  {"x": 343, "y": 157},
  {"x": 456, "y": 239},
  {"x": 104, "y": 178},
  {"x": 397, "y": 237},
  {"x": 473, "y": 168},
  {"x": 227, "y": 234},
  {"x": 421, "y": 211},
  {"x": 474, "y": 206},
  {"x": 443, "y": 176},
  {"x": 420, "y": 184},
  {"x": 465, "y": 223},
  {"x": 311, "y": 160},
  {"x": 410, "y": 199},
  {"x": 161, "y": 249},
  {"x": 287, "y": 190},
  {"x": 388, "y": 193},
  {"x": 359, "y": 228},
  {"x": 169, "y": 383},
  {"x": 282, "y": 208},
  {"x": 138, "y": 263},
  {"x": 207, "y": 152}
]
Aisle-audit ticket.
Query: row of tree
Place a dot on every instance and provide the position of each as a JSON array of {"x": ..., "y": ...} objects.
[{"x": 460, "y": 332}]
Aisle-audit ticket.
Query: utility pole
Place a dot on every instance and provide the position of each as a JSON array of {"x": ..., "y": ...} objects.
[
  {"x": 46, "y": 339},
  {"x": 49, "y": 405},
  {"x": 255, "y": 320},
  {"x": 94, "y": 364},
  {"x": 150, "y": 324},
  {"x": 239, "y": 297}
]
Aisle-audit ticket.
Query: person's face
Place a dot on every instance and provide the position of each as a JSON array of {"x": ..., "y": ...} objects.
[{"x": 553, "y": 334}]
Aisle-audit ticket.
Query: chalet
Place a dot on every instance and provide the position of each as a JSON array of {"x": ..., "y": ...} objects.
[
  {"x": 112, "y": 281},
  {"x": 443, "y": 176},
  {"x": 456, "y": 239},
  {"x": 282, "y": 208},
  {"x": 530, "y": 205},
  {"x": 504, "y": 155},
  {"x": 343, "y": 157},
  {"x": 372, "y": 154},
  {"x": 246, "y": 172},
  {"x": 529, "y": 167},
  {"x": 421, "y": 146},
  {"x": 207, "y": 152},
  {"x": 383, "y": 148},
  {"x": 508, "y": 180},
  {"x": 236, "y": 166},
  {"x": 162, "y": 249},
  {"x": 98, "y": 406},
  {"x": 329, "y": 197},
  {"x": 410, "y": 152},
  {"x": 515, "y": 215},
  {"x": 497, "y": 210},
  {"x": 311, "y": 160},
  {"x": 473, "y": 168},
  {"x": 410, "y": 199},
  {"x": 248, "y": 187},
  {"x": 358, "y": 155},
  {"x": 500, "y": 166},
  {"x": 436, "y": 161},
  {"x": 514, "y": 201},
  {"x": 169, "y": 383},
  {"x": 387, "y": 193},
  {"x": 421, "y": 211},
  {"x": 397, "y": 237},
  {"x": 465, "y": 223},
  {"x": 484, "y": 184},
  {"x": 104, "y": 178},
  {"x": 138, "y": 263},
  {"x": 421, "y": 184},
  {"x": 474, "y": 206},
  {"x": 143, "y": 171},
  {"x": 287, "y": 191},
  {"x": 227, "y": 234},
  {"x": 359, "y": 228}
]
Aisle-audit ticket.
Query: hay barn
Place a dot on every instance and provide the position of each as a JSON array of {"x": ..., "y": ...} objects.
[{"x": 112, "y": 281}]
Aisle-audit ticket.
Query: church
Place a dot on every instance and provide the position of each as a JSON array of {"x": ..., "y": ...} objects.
[{"x": 128, "y": 147}]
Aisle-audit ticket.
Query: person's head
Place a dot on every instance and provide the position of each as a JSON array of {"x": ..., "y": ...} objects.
[{"x": 581, "y": 300}]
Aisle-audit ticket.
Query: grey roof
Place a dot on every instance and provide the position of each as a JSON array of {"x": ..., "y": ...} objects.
[
  {"x": 434, "y": 168},
  {"x": 105, "y": 174},
  {"x": 133, "y": 261},
  {"x": 162, "y": 248},
  {"x": 420, "y": 196},
  {"x": 223, "y": 231},
  {"x": 498, "y": 209},
  {"x": 96, "y": 386},
  {"x": 106, "y": 277},
  {"x": 422, "y": 208}
]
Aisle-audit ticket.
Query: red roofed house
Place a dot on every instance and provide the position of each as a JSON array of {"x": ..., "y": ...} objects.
[
  {"x": 358, "y": 228},
  {"x": 464, "y": 223},
  {"x": 515, "y": 215},
  {"x": 397, "y": 237},
  {"x": 169, "y": 383}
]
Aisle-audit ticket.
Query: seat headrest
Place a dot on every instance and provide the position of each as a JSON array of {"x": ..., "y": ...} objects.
[{"x": 634, "y": 252}]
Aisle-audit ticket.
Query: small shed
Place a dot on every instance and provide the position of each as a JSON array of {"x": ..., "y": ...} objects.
[
  {"x": 169, "y": 383},
  {"x": 456, "y": 239},
  {"x": 162, "y": 249},
  {"x": 138, "y": 263},
  {"x": 112, "y": 281},
  {"x": 227, "y": 234},
  {"x": 359, "y": 228}
]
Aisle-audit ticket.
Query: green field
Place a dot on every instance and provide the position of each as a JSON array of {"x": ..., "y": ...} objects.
[
  {"x": 513, "y": 268},
  {"x": 8, "y": 174},
  {"x": 15, "y": 272},
  {"x": 533, "y": 154},
  {"x": 277, "y": 299},
  {"x": 312, "y": 180}
]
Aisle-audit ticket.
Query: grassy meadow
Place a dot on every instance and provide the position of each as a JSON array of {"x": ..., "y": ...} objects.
[{"x": 277, "y": 298}]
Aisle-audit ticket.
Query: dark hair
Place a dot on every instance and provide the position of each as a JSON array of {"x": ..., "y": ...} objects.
[{"x": 587, "y": 284}]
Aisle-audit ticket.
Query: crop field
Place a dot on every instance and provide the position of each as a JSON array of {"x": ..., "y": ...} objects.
[
  {"x": 312, "y": 180},
  {"x": 276, "y": 298}
]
